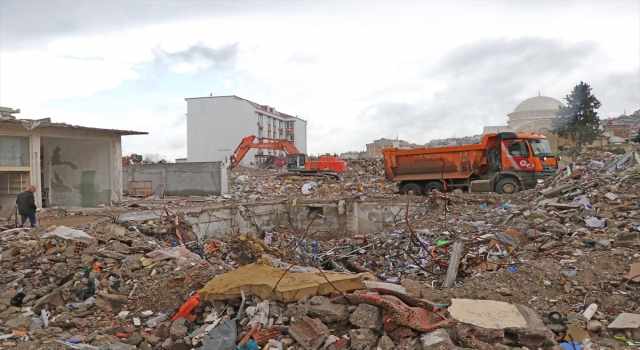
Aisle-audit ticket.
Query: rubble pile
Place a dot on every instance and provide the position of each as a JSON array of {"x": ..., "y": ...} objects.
[
  {"x": 365, "y": 178},
  {"x": 372, "y": 169},
  {"x": 557, "y": 267}
]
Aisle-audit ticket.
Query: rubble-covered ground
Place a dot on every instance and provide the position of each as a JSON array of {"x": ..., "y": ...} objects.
[{"x": 530, "y": 266}]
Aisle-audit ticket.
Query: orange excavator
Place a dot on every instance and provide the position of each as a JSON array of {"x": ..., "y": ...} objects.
[{"x": 299, "y": 164}]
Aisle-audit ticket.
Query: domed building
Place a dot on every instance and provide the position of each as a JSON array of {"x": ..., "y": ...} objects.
[
  {"x": 535, "y": 108},
  {"x": 534, "y": 115}
]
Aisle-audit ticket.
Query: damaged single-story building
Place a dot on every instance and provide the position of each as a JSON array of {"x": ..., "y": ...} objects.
[{"x": 69, "y": 165}]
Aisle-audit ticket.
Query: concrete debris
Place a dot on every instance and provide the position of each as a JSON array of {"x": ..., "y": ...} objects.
[{"x": 148, "y": 275}]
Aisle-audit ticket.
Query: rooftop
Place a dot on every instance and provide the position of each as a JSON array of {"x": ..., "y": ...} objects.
[
  {"x": 31, "y": 124},
  {"x": 538, "y": 103},
  {"x": 265, "y": 108},
  {"x": 612, "y": 123}
]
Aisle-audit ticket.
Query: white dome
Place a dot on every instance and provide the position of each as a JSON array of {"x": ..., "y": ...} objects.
[{"x": 538, "y": 103}]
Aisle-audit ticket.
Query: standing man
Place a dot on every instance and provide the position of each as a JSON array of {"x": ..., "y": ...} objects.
[{"x": 27, "y": 206}]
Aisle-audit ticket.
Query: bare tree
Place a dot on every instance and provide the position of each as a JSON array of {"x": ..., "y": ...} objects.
[{"x": 153, "y": 158}]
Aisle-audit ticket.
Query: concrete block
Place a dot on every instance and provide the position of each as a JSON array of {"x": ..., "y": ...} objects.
[
  {"x": 362, "y": 339},
  {"x": 385, "y": 343},
  {"x": 321, "y": 307},
  {"x": 309, "y": 332},
  {"x": 367, "y": 316},
  {"x": 627, "y": 240},
  {"x": 110, "y": 301},
  {"x": 436, "y": 340}
]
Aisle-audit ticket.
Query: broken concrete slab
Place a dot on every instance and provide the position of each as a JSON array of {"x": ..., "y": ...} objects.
[
  {"x": 110, "y": 301},
  {"x": 321, "y": 307},
  {"x": 554, "y": 191},
  {"x": 630, "y": 239},
  {"x": 436, "y": 340},
  {"x": 626, "y": 321},
  {"x": 261, "y": 278},
  {"x": 487, "y": 313},
  {"x": 367, "y": 316}
]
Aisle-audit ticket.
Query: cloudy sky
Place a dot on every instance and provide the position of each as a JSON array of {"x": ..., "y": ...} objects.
[{"x": 356, "y": 70}]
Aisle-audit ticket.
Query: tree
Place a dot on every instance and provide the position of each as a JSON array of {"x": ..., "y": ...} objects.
[
  {"x": 637, "y": 138},
  {"x": 153, "y": 158},
  {"x": 578, "y": 121}
]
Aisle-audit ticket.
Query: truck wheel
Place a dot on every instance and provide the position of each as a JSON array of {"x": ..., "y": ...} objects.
[
  {"x": 411, "y": 190},
  {"x": 508, "y": 186},
  {"x": 432, "y": 186}
]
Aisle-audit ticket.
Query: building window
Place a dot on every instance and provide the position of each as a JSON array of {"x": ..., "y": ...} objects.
[
  {"x": 261, "y": 159},
  {"x": 14, "y": 151},
  {"x": 290, "y": 137},
  {"x": 622, "y": 132},
  {"x": 289, "y": 125}
]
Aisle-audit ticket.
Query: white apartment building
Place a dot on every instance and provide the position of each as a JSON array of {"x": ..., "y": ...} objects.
[{"x": 217, "y": 124}]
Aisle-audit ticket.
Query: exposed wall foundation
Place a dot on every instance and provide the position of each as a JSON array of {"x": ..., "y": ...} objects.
[{"x": 336, "y": 218}]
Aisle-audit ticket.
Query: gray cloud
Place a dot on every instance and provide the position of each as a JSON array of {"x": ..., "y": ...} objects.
[
  {"x": 529, "y": 54},
  {"x": 218, "y": 59},
  {"x": 28, "y": 24},
  {"x": 34, "y": 23},
  {"x": 483, "y": 81},
  {"x": 205, "y": 58},
  {"x": 617, "y": 92}
]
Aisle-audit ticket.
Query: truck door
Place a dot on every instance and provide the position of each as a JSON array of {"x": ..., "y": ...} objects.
[{"x": 515, "y": 156}]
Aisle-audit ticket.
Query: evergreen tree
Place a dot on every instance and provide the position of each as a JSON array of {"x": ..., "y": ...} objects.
[{"x": 578, "y": 121}]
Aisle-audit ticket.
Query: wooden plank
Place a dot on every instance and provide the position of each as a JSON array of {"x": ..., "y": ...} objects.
[{"x": 15, "y": 207}]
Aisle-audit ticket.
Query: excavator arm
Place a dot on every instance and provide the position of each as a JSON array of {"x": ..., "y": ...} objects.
[{"x": 248, "y": 143}]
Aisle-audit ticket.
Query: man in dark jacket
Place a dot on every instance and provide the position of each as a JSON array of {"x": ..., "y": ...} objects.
[{"x": 27, "y": 206}]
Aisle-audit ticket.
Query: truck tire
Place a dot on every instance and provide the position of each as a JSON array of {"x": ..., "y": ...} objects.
[
  {"x": 508, "y": 186},
  {"x": 411, "y": 189},
  {"x": 431, "y": 186}
]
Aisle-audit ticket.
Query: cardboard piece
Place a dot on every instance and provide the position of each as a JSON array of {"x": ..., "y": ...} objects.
[
  {"x": 261, "y": 277},
  {"x": 626, "y": 321},
  {"x": 575, "y": 334},
  {"x": 634, "y": 272},
  {"x": 487, "y": 313}
]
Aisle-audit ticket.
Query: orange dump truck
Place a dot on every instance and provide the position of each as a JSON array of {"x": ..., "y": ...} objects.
[{"x": 505, "y": 163}]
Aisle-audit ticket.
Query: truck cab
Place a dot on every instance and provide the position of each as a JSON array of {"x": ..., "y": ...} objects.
[{"x": 527, "y": 158}]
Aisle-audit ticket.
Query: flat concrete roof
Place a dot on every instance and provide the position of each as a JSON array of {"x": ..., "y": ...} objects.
[{"x": 46, "y": 123}]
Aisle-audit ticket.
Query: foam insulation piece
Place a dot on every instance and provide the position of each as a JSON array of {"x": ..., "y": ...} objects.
[{"x": 261, "y": 277}]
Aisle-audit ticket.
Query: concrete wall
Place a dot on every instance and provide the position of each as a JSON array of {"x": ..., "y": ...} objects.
[
  {"x": 181, "y": 179},
  {"x": 215, "y": 127},
  {"x": 300, "y": 135},
  {"x": 342, "y": 218},
  {"x": 77, "y": 172}
]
